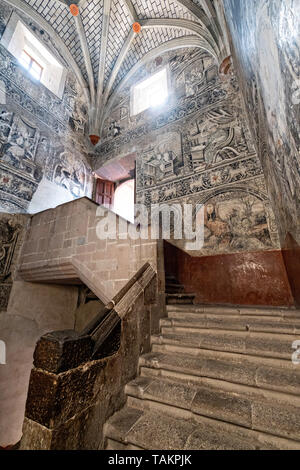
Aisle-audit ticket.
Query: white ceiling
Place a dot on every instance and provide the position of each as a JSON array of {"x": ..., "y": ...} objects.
[{"x": 101, "y": 47}]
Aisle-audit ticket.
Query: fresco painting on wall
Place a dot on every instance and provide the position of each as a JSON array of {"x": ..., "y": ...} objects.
[
  {"x": 76, "y": 180},
  {"x": 265, "y": 36},
  {"x": 235, "y": 221},
  {"x": 215, "y": 137},
  {"x": 9, "y": 233},
  {"x": 41, "y": 135},
  {"x": 197, "y": 149},
  {"x": 163, "y": 161}
]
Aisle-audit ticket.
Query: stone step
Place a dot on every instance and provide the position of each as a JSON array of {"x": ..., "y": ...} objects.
[
  {"x": 269, "y": 374},
  {"x": 171, "y": 279},
  {"x": 132, "y": 428},
  {"x": 174, "y": 289},
  {"x": 111, "y": 444},
  {"x": 236, "y": 310},
  {"x": 232, "y": 322},
  {"x": 271, "y": 412},
  {"x": 250, "y": 343},
  {"x": 180, "y": 299}
]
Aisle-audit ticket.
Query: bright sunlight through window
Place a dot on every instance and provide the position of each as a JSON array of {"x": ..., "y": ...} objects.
[
  {"x": 34, "y": 56},
  {"x": 30, "y": 64},
  {"x": 151, "y": 92}
]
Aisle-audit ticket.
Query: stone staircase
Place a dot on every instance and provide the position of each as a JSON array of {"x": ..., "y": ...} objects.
[
  {"x": 175, "y": 293},
  {"x": 217, "y": 378}
]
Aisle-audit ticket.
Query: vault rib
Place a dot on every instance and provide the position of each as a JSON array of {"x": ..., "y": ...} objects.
[
  {"x": 102, "y": 59},
  {"x": 179, "y": 43},
  {"x": 86, "y": 55}
]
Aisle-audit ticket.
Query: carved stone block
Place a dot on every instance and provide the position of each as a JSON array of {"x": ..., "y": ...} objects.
[{"x": 62, "y": 350}]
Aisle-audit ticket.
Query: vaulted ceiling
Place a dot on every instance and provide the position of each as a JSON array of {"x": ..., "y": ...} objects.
[{"x": 101, "y": 47}]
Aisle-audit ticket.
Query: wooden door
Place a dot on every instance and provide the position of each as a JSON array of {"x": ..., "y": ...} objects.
[{"x": 104, "y": 192}]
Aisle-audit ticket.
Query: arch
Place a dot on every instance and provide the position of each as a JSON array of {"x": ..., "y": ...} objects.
[
  {"x": 187, "y": 25},
  {"x": 180, "y": 43},
  {"x": 251, "y": 192}
]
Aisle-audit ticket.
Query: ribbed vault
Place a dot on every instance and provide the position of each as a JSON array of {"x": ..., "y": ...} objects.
[{"x": 101, "y": 47}]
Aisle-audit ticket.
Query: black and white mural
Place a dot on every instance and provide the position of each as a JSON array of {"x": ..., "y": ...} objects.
[
  {"x": 197, "y": 148},
  {"x": 43, "y": 161},
  {"x": 11, "y": 239},
  {"x": 265, "y": 35}
]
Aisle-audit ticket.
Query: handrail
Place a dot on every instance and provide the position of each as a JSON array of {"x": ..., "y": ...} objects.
[
  {"x": 101, "y": 327},
  {"x": 73, "y": 349},
  {"x": 95, "y": 323},
  {"x": 69, "y": 367}
]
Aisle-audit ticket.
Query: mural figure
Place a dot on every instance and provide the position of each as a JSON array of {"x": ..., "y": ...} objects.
[
  {"x": 235, "y": 222},
  {"x": 5, "y": 124},
  {"x": 21, "y": 142},
  {"x": 114, "y": 129},
  {"x": 71, "y": 175}
]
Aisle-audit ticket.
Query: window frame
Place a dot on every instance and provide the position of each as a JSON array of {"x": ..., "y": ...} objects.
[
  {"x": 168, "y": 83},
  {"x": 54, "y": 86},
  {"x": 32, "y": 61}
]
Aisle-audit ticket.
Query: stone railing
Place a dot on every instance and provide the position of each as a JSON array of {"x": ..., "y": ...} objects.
[
  {"x": 78, "y": 380},
  {"x": 60, "y": 252}
]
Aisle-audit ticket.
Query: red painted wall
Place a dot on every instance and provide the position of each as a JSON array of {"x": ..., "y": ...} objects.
[{"x": 258, "y": 278}]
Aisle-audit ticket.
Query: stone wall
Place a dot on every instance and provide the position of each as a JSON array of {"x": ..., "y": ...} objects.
[
  {"x": 63, "y": 245},
  {"x": 196, "y": 149},
  {"x": 43, "y": 161},
  {"x": 26, "y": 312},
  {"x": 61, "y": 252},
  {"x": 68, "y": 406}
]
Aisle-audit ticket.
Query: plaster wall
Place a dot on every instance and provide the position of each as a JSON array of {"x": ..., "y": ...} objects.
[{"x": 34, "y": 309}]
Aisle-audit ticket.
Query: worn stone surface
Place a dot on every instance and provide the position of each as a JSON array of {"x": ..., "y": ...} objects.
[
  {"x": 35, "y": 436},
  {"x": 219, "y": 391},
  {"x": 206, "y": 438},
  {"x": 55, "y": 398},
  {"x": 167, "y": 434},
  {"x": 62, "y": 350},
  {"x": 257, "y": 344},
  {"x": 224, "y": 406},
  {"x": 74, "y": 405},
  {"x": 121, "y": 424},
  {"x": 285, "y": 420}
]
